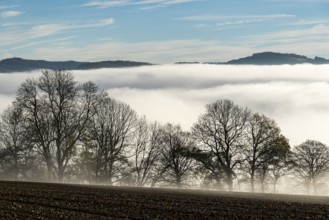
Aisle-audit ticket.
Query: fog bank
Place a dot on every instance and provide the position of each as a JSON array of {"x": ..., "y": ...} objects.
[{"x": 297, "y": 97}]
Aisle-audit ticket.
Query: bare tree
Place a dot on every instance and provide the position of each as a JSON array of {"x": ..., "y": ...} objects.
[
  {"x": 281, "y": 165},
  {"x": 177, "y": 164},
  {"x": 220, "y": 133},
  {"x": 110, "y": 132},
  {"x": 262, "y": 146},
  {"x": 17, "y": 153},
  {"x": 146, "y": 147},
  {"x": 311, "y": 160},
  {"x": 280, "y": 148},
  {"x": 208, "y": 168},
  {"x": 57, "y": 110}
]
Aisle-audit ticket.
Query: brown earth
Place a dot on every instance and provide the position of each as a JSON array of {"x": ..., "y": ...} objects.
[{"x": 23, "y": 200}]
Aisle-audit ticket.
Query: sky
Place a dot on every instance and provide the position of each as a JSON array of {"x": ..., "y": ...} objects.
[{"x": 161, "y": 31}]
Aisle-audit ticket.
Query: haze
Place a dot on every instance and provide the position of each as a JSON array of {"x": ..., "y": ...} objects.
[{"x": 294, "y": 96}]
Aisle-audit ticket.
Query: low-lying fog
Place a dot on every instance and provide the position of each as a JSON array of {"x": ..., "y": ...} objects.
[{"x": 297, "y": 97}]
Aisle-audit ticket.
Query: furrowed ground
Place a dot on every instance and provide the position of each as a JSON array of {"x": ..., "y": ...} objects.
[{"x": 23, "y": 200}]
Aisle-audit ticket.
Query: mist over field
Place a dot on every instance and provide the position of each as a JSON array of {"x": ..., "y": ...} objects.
[{"x": 296, "y": 97}]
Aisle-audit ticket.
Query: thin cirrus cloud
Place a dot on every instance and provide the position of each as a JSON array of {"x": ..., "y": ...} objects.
[
  {"x": 59, "y": 41},
  {"x": 3, "y": 7},
  {"x": 232, "y": 21},
  {"x": 219, "y": 18},
  {"x": 169, "y": 51},
  {"x": 294, "y": 96},
  {"x": 311, "y": 34},
  {"x": 145, "y": 4},
  {"x": 150, "y": 51},
  {"x": 309, "y": 22},
  {"x": 9, "y": 14},
  {"x": 39, "y": 31}
]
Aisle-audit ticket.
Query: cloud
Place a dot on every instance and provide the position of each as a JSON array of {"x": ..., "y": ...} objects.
[
  {"x": 296, "y": 97},
  {"x": 297, "y": 40},
  {"x": 310, "y": 22},
  {"x": 8, "y": 14},
  {"x": 39, "y": 31},
  {"x": 35, "y": 32},
  {"x": 107, "y": 4},
  {"x": 300, "y": 1},
  {"x": 311, "y": 42},
  {"x": 3, "y": 7},
  {"x": 149, "y": 4},
  {"x": 220, "y": 18},
  {"x": 152, "y": 51},
  {"x": 35, "y": 43},
  {"x": 222, "y": 22}
]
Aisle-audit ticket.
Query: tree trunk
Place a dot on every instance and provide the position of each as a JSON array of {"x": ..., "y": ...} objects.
[
  {"x": 253, "y": 181},
  {"x": 314, "y": 187},
  {"x": 178, "y": 182},
  {"x": 49, "y": 171},
  {"x": 60, "y": 174},
  {"x": 229, "y": 180},
  {"x": 274, "y": 186}
]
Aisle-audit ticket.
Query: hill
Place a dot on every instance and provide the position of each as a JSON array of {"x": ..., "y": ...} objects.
[
  {"x": 22, "y": 65},
  {"x": 265, "y": 58},
  {"x": 110, "y": 64},
  {"x": 271, "y": 58}
]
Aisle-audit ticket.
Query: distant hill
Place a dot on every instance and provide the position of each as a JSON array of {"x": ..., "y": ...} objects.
[
  {"x": 271, "y": 58},
  {"x": 22, "y": 65},
  {"x": 265, "y": 58},
  {"x": 110, "y": 64}
]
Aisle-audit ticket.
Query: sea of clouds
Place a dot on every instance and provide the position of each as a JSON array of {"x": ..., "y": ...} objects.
[{"x": 296, "y": 97}]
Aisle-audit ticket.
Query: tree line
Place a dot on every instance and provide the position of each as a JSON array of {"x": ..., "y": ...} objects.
[{"x": 59, "y": 130}]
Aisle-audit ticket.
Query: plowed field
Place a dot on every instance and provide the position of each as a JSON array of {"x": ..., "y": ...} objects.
[{"x": 23, "y": 200}]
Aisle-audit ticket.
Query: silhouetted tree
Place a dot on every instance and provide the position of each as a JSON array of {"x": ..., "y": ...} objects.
[
  {"x": 17, "y": 155},
  {"x": 280, "y": 147},
  {"x": 177, "y": 164},
  {"x": 146, "y": 148},
  {"x": 111, "y": 131},
  {"x": 281, "y": 165},
  {"x": 208, "y": 168},
  {"x": 220, "y": 133},
  {"x": 57, "y": 110},
  {"x": 262, "y": 145},
  {"x": 311, "y": 160}
]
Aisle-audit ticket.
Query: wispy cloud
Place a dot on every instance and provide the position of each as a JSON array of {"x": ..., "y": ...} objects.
[
  {"x": 152, "y": 51},
  {"x": 299, "y": 1},
  {"x": 2, "y": 7},
  {"x": 309, "y": 22},
  {"x": 215, "y": 22},
  {"x": 145, "y": 4},
  {"x": 8, "y": 14},
  {"x": 312, "y": 41},
  {"x": 107, "y": 4},
  {"x": 311, "y": 34},
  {"x": 38, "y": 31},
  {"x": 221, "y": 18},
  {"x": 35, "y": 43}
]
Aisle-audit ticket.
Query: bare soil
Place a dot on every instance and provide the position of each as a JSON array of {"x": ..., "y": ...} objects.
[{"x": 23, "y": 200}]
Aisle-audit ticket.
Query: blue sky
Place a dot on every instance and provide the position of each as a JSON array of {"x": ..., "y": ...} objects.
[{"x": 161, "y": 31}]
